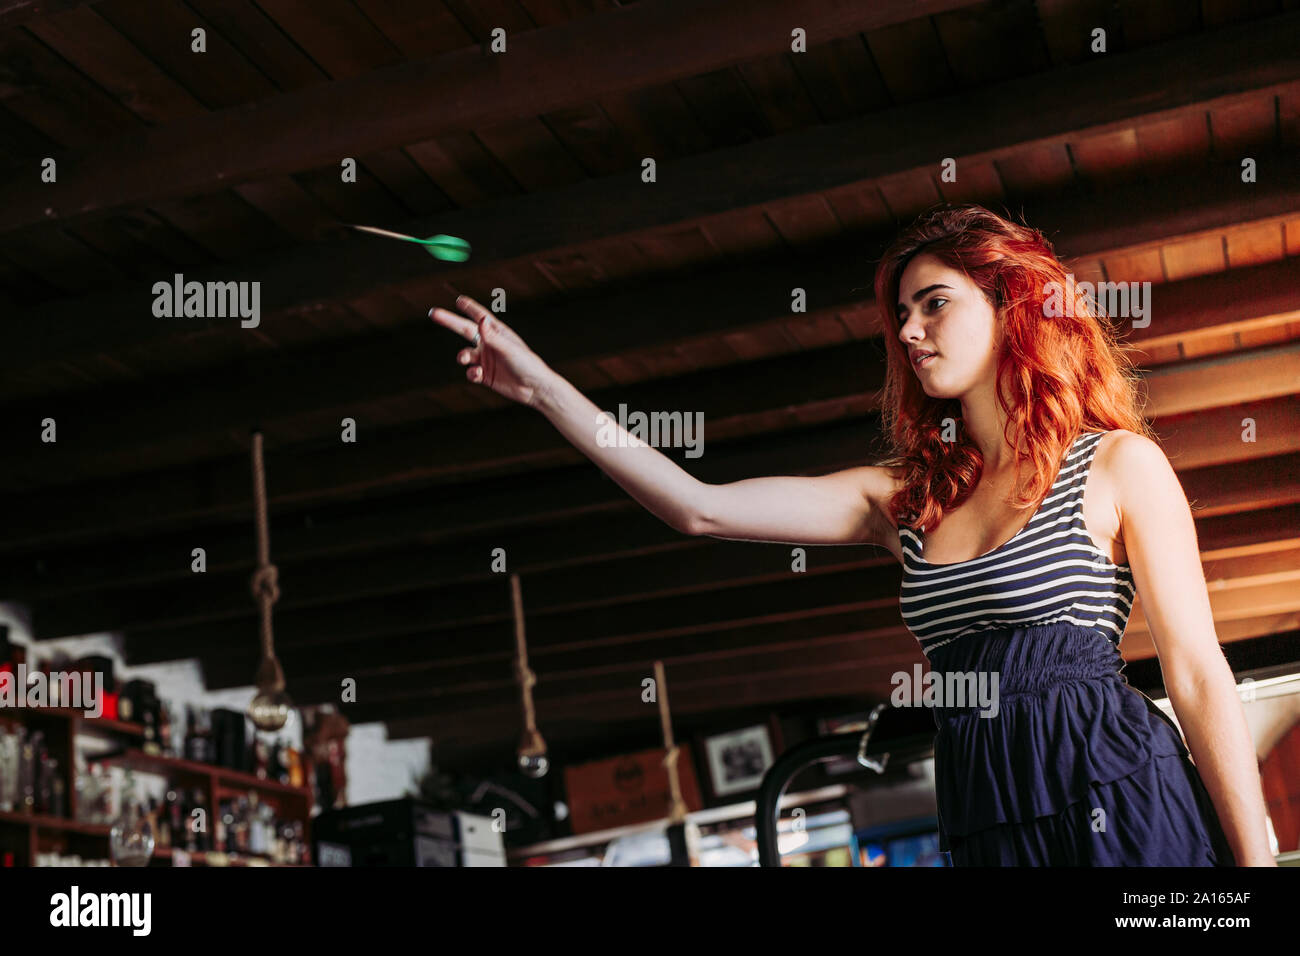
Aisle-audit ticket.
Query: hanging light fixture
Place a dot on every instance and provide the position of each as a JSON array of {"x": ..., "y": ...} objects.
[
  {"x": 271, "y": 707},
  {"x": 533, "y": 761}
]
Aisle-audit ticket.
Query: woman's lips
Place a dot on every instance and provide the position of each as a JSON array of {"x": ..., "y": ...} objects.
[{"x": 926, "y": 361}]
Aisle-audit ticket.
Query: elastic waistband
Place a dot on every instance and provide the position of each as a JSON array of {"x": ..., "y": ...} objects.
[{"x": 1028, "y": 659}]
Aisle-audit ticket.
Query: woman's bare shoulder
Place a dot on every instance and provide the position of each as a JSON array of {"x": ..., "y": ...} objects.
[{"x": 1121, "y": 454}]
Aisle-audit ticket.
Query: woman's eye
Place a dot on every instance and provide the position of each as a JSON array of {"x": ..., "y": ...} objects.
[{"x": 934, "y": 303}]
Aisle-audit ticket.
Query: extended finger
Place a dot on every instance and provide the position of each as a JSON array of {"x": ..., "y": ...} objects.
[
  {"x": 465, "y": 328},
  {"x": 472, "y": 308}
]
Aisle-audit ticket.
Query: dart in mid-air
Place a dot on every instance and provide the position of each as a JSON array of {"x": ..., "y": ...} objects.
[{"x": 448, "y": 248}]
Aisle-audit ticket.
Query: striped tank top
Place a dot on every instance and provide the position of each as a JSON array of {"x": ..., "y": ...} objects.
[{"x": 1050, "y": 571}]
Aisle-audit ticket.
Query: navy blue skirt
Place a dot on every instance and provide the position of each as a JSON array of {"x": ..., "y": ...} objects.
[{"x": 1077, "y": 768}]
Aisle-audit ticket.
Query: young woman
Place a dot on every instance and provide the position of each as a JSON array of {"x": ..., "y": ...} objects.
[{"x": 998, "y": 404}]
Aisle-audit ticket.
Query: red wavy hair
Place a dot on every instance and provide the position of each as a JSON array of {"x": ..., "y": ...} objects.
[{"x": 1058, "y": 376}]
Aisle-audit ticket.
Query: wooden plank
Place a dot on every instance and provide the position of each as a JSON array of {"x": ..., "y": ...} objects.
[
  {"x": 61, "y": 259},
  {"x": 1147, "y": 22},
  {"x": 411, "y": 361},
  {"x": 777, "y": 92},
  {"x": 1169, "y": 144},
  {"x": 55, "y": 99},
  {"x": 804, "y": 219},
  {"x": 1237, "y": 129},
  {"x": 388, "y": 107},
  {"x": 588, "y": 135},
  {"x": 1068, "y": 24},
  {"x": 1194, "y": 257},
  {"x": 335, "y": 34},
  {"x": 15, "y": 13},
  {"x": 910, "y": 59},
  {"x": 678, "y": 562},
  {"x": 339, "y": 269},
  {"x": 992, "y": 41},
  {"x": 417, "y": 30},
  {"x": 83, "y": 38},
  {"x": 1242, "y": 377},
  {"x": 221, "y": 78},
  {"x": 408, "y": 668},
  {"x": 1109, "y": 159},
  {"x": 223, "y": 224},
  {"x": 907, "y": 194},
  {"x": 282, "y": 200},
  {"x": 976, "y": 182},
  {"x": 840, "y": 78},
  {"x": 531, "y": 154},
  {"x": 257, "y": 37},
  {"x": 1142, "y": 266},
  {"x": 1038, "y": 169},
  {"x": 1252, "y": 245},
  {"x": 1217, "y": 13}
]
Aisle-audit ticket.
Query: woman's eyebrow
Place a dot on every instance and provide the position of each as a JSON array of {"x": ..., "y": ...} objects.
[{"x": 922, "y": 293}]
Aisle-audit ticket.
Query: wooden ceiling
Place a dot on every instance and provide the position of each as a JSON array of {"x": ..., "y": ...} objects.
[{"x": 775, "y": 170}]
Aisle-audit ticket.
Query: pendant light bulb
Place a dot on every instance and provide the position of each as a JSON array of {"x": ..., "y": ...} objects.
[
  {"x": 270, "y": 708},
  {"x": 533, "y": 761}
]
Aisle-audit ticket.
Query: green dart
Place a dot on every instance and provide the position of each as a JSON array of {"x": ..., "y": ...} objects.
[{"x": 448, "y": 248}]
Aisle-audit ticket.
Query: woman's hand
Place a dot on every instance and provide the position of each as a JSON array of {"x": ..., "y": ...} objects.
[{"x": 501, "y": 360}]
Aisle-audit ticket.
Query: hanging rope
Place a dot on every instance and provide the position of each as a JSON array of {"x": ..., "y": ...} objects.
[
  {"x": 523, "y": 674},
  {"x": 266, "y": 579},
  {"x": 678, "y": 812}
]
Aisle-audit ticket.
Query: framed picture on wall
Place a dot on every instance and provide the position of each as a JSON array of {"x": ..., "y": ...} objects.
[{"x": 738, "y": 759}]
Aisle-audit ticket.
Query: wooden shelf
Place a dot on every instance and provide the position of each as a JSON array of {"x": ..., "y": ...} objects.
[
  {"x": 80, "y": 721},
  {"x": 228, "y": 781},
  {"x": 43, "y": 822},
  {"x": 213, "y": 858},
  {"x": 23, "y": 833}
]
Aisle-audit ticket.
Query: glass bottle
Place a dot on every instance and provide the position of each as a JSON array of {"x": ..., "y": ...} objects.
[
  {"x": 27, "y": 773},
  {"x": 150, "y": 734},
  {"x": 10, "y": 746},
  {"x": 131, "y": 839},
  {"x": 58, "y": 793},
  {"x": 241, "y": 825},
  {"x": 165, "y": 729},
  {"x": 46, "y": 770},
  {"x": 296, "y": 776}
]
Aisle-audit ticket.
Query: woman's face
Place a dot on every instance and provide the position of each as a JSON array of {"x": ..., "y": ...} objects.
[{"x": 940, "y": 310}]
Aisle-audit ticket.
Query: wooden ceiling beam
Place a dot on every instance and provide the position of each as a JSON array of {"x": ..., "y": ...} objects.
[
  {"x": 448, "y": 615},
  {"x": 615, "y": 50},
  {"x": 602, "y": 546},
  {"x": 1256, "y": 577},
  {"x": 1207, "y": 439},
  {"x": 1119, "y": 92},
  {"x": 472, "y": 728},
  {"x": 166, "y": 422},
  {"x": 531, "y": 518},
  {"x": 617, "y": 694},
  {"x": 15, "y": 13},
  {"x": 339, "y": 471}
]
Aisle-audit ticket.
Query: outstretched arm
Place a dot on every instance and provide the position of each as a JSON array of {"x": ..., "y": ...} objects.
[{"x": 841, "y": 508}]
